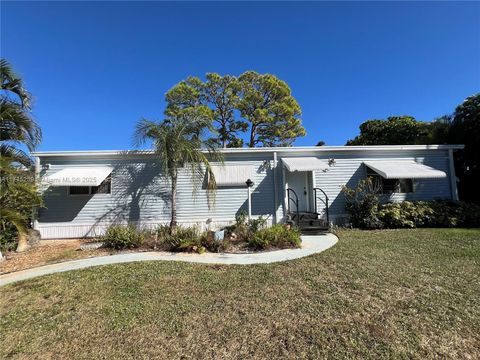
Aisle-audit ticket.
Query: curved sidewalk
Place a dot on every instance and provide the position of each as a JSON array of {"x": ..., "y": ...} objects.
[{"x": 311, "y": 244}]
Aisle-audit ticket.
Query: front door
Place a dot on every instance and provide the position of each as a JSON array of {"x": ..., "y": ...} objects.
[{"x": 299, "y": 181}]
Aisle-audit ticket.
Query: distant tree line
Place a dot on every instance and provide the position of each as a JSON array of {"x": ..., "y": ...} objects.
[
  {"x": 252, "y": 109},
  {"x": 461, "y": 127}
]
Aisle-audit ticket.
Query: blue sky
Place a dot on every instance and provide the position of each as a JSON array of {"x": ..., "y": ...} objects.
[{"x": 96, "y": 68}]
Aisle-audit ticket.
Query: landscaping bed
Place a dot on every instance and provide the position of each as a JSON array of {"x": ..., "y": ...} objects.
[
  {"x": 48, "y": 252},
  {"x": 242, "y": 237}
]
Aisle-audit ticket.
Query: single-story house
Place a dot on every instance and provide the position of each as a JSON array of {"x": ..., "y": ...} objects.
[{"x": 86, "y": 191}]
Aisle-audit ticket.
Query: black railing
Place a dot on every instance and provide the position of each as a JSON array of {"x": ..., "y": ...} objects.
[
  {"x": 292, "y": 196},
  {"x": 316, "y": 196}
]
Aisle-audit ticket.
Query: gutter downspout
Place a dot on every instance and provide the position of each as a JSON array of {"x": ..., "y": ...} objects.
[
  {"x": 453, "y": 177},
  {"x": 275, "y": 188}
]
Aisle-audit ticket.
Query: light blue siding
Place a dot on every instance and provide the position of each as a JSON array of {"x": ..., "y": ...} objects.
[{"x": 141, "y": 194}]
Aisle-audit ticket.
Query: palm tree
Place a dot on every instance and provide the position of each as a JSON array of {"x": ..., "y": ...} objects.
[
  {"x": 181, "y": 141},
  {"x": 17, "y": 127},
  {"x": 16, "y": 123},
  {"x": 18, "y": 194}
]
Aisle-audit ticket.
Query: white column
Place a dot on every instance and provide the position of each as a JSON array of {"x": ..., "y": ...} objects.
[
  {"x": 37, "y": 182},
  {"x": 249, "y": 203},
  {"x": 453, "y": 177},
  {"x": 275, "y": 188}
]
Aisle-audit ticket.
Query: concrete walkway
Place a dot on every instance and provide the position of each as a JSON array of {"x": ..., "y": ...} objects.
[{"x": 311, "y": 244}]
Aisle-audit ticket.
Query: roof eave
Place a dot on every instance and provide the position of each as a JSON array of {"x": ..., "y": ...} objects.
[{"x": 258, "y": 150}]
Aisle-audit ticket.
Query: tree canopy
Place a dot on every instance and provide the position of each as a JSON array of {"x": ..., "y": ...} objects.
[
  {"x": 179, "y": 142},
  {"x": 256, "y": 107},
  {"x": 465, "y": 129}
]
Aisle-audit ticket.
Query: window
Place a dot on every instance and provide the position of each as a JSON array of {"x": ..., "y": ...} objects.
[
  {"x": 79, "y": 190},
  {"x": 391, "y": 186},
  {"x": 104, "y": 188}
]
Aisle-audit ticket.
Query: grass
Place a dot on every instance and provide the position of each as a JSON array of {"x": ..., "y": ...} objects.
[{"x": 378, "y": 294}]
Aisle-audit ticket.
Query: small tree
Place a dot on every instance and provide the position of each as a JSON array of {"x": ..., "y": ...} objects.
[
  {"x": 180, "y": 141},
  {"x": 362, "y": 204}
]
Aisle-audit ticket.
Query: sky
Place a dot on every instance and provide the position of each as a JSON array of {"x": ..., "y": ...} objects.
[{"x": 96, "y": 68}]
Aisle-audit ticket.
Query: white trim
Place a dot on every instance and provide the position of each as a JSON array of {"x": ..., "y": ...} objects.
[
  {"x": 307, "y": 188},
  {"x": 37, "y": 181},
  {"x": 275, "y": 187},
  {"x": 453, "y": 177},
  {"x": 285, "y": 187},
  {"x": 255, "y": 150}
]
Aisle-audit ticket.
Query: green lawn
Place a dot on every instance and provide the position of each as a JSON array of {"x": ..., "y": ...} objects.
[{"x": 392, "y": 293}]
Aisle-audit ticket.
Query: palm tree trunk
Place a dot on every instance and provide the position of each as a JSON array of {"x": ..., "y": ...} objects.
[
  {"x": 22, "y": 241},
  {"x": 173, "y": 221}
]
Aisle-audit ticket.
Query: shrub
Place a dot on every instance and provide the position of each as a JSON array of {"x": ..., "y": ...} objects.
[
  {"x": 437, "y": 213},
  {"x": 362, "y": 205},
  {"x": 123, "y": 237},
  {"x": 184, "y": 239},
  {"x": 366, "y": 212},
  {"x": 245, "y": 229},
  {"x": 399, "y": 215},
  {"x": 277, "y": 236},
  {"x": 8, "y": 237}
]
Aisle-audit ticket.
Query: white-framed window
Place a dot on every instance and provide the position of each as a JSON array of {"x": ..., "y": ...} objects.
[{"x": 104, "y": 188}]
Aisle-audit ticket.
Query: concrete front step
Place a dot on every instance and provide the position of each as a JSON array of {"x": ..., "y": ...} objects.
[{"x": 311, "y": 230}]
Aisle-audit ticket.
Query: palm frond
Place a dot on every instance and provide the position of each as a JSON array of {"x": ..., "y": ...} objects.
[
  {"x": 13, "y": 154},
  {"x": 181, "y": 142},
  {"x": 12, "y": 83},
  {"x": 17, "y": 125},
  {"x": 15, "y": 218}
]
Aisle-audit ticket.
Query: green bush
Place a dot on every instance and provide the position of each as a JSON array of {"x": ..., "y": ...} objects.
[
  {"x": 123, "y": 237},
  {"x": 365, "y": 211},
  {"x": 436, "y": 213},
  {"x": 245, "y": 229},
  {"x": 185, "y": 239},
  {"x": 277, "y": 236},
  {"x": 8, "y": 237}
]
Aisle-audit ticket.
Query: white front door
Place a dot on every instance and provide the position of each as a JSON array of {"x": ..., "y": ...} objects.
[{"x": 298, "y": 181}]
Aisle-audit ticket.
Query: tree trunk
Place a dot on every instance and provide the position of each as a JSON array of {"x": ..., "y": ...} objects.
[
  {"x": 22, "y": 241},
  {"x": 252, "y": 136},
  {"x": 173, "y": 221}
]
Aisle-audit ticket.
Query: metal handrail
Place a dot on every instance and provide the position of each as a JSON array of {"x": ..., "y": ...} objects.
[
  {"x": 295, "y": 201},
  {"x": 324, "y": 201}
]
